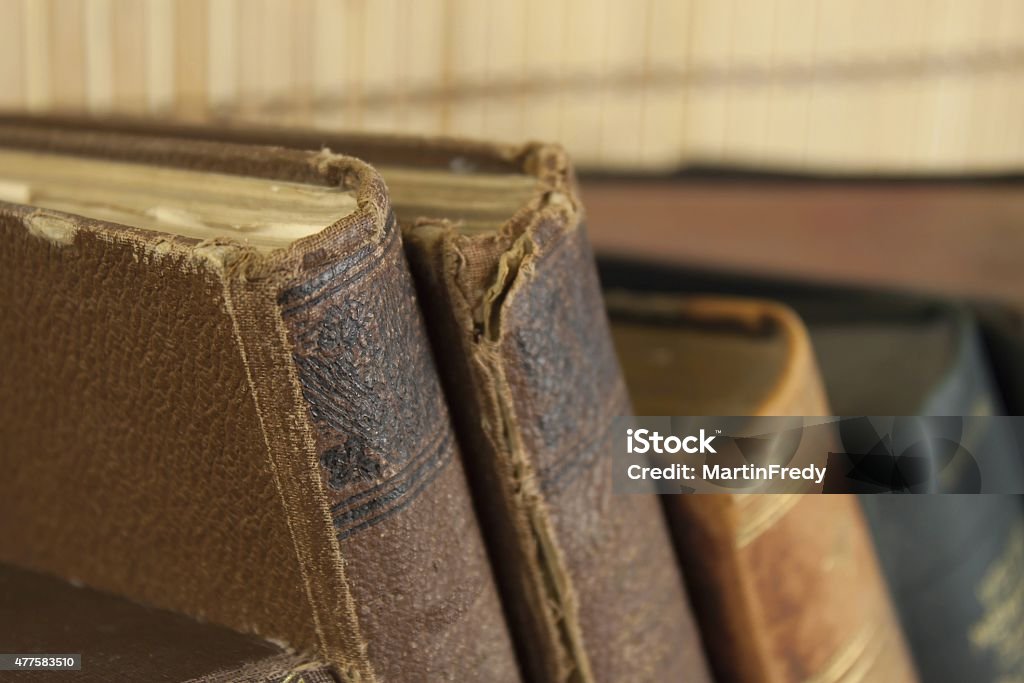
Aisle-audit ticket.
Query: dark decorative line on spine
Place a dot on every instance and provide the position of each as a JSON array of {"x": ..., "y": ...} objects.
[
  {"x": 554, "y": 479},
  {"x": 410, "y": 470},
  {"x": 413, "y": 493},
  {"x": 338, "y": 276}
]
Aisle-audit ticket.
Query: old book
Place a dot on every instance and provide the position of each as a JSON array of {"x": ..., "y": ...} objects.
[
  {"x": 217, "y": 398},
  {"x": 883, "y": 353},
  {"x": 508, "y": 284},
  {"x": 119, "y": 640},
  {"x": 963, "y": 612},
  {"x": 786, "y": 587},
  {"x": 515, "y": 309}
]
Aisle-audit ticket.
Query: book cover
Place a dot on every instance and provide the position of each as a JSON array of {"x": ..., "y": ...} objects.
[
  {"x": 886, "y": 353},
  {"x": 215, "y": 423},
  {"x": 117, "y": 639},
  {"x": 786, "y": 587},
  {"x": 505, "y": 276}
]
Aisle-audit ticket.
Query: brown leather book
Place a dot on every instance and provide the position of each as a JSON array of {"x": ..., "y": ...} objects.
[
  {"x": 118, "y": 640},
  {"x": 508, "y": 284},
  {"x": 786, "y": 587},
  {"x": 515, "y": 310},
  {"x": 217, "y": 398}
]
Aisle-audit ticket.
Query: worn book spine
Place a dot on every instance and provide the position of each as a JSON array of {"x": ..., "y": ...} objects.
[
  {"x": 422, "y": 593},
  {"x": 257, "y": 439},
  {"x": 591, "y": 585},
  {"x": 974, "y": 630},
  {"x": 786, "y": 587},
  {"x": 955, "y": 608},
  {"x": 963, "y": 611}
]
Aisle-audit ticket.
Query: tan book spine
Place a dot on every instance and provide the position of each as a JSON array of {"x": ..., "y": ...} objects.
[{"x": 786, "y": 587}]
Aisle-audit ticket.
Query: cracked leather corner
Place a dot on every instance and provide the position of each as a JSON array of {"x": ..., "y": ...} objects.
[
  {"x": 349, "y": 173},
  {"x": 330, "y": 165},
  {"x": 551, "y": 165},
  {"x": 51, "y": 227},
  {"x": 232, "y": 260},
  {"x": 221, "y": 255}
]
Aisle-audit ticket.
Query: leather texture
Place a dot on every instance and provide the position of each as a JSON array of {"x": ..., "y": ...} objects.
[
  {"x": 887, "y": 353},
  {"x": 591, "y": 585},
  {"x": 259, "y": 440},
  {"x": 119, "y": 640},
  {"x": 786, "y": 587}
]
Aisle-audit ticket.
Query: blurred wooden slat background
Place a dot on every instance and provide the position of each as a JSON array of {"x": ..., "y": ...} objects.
[{"x": 897, "y": 86}]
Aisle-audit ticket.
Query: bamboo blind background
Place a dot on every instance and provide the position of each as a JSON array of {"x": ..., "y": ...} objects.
[{"x": 849, "y": 85}]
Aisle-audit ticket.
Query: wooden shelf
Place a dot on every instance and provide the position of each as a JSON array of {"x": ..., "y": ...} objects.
[{"x": 939, "y": 237}]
